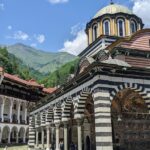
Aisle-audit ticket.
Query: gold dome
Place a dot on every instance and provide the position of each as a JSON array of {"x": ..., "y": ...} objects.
[{"x": 113, "y": 9}]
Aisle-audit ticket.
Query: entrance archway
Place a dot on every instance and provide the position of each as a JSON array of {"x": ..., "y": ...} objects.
[
  {"x": 130, "y": 119},
  {"x": 22, "y": 135},
  {"x": 14, "y": 135},
  {"x": 6, "y": 135},
  {"x": 89, "y": 125}
]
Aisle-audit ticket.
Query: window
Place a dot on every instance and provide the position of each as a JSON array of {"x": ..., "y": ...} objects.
[
  {"x": 121, "y": 29},
  {"x": 94, "y": 32},
  {"x": 106, "y": 27},
  {"x": 133, "y": 27}
]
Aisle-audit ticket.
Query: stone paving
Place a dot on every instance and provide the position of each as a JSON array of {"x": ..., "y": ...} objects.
[{"x": 25, "y": 147}]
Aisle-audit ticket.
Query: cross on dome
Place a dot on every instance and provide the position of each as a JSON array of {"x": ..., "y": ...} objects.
[{"x": 111, "y": 2}]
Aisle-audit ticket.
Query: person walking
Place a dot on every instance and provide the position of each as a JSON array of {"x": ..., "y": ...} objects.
[
  {"x": 61, "y": 145},
  {"x": 5, "y": 148},
  {"x": 72, "y": 147}
]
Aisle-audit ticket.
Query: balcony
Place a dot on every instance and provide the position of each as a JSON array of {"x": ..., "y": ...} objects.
[
  {"x": 14, "y": 121},
  {"x": 6, "y": 120}
]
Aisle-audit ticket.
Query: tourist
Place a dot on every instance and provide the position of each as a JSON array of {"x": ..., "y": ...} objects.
[
  {"x": 61, "y": 145},
  {"x": 72, "y": 146},
  {"x": 5, "y": 148}
]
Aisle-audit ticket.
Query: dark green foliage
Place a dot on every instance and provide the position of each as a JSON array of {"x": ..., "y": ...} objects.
[
  {"x": 15, "y": 66},
  {"x": 61, "y": 75}
]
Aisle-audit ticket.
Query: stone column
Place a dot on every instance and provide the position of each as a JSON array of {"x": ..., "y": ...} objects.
[
  {"x": 0, "y": 136},
  {"x": 9, "y": 137},
  {"x": 48, "y": 138},
  {"x": 65, "y": 136},
  {"x": 11, "y": 107},
  {"x": 18, "y": 112},
  {"x": 103, "y": 126},
  {"x": 37, "y": 138},
  {"x": 25, "y": 115},
  {"x": 2, "y": 109},
  {"x": 52, "y": 135},
  {"x": 42, "y": 137},
  {"x": 79, "y": 128},
  {"x": 24, "y": 138},
  {"x": 57, "y": 136},
  {"x": 17, "y": 137}
]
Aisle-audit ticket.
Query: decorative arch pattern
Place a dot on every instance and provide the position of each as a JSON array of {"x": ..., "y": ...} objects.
[
  {"x": 79, "y": 109},
  {"x": 49, "y": 116},
  {"x": 135, "y": 87},
  {"x": 66, "y": 110},
  {"x": 43, "y": 118},
  {"x": 37, "y": 120},
  {"x": 57, "y": 114}
]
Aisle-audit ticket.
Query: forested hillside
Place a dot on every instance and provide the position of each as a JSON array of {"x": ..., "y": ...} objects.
[
  {"x": 61, "y": 75},
  {"x": 14, "y": 65}
]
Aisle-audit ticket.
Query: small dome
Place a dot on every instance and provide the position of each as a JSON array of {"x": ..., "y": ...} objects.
[{"x": 113, "y": 9}]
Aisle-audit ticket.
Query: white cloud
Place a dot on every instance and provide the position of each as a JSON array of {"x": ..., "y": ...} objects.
[
  {"x": 76, "y": 45},
  {"x": 33, "y": 45},
  {"x": 40, "y": 38},
  {"x": 57, "y": 1},
  {"x": 9, "y": 27},
  {"x": 2, "y": 6},
  {"x": 142, "y": 9},
  {"x": 19, "y": 35},
  {"x": 76, "y": 28}
]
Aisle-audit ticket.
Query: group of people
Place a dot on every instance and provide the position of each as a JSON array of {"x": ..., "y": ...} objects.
[{"x": 72, "y": 146}]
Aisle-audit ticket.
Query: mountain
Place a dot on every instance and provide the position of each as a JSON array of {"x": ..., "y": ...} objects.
[
  {"x": 13, "y": 65},
  {"x": 43, "y": 62},
  {"x": 60, "y": 76}
]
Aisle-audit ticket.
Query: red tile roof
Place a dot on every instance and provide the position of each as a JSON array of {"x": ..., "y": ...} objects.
[
  {"x": 14, "y": 77},
  {"x": 49, "y": 90},
  {"x": 1, "y": 69},
  {"x": 31, "y": 82},
  {"x": 19, "y": 80}
]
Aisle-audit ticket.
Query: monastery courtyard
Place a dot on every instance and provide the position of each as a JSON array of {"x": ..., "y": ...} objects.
[{"x": 104, "y": 105}]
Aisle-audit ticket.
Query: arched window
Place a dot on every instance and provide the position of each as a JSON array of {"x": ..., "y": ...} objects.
[
  {"x": 94, "y": 32},
  {"x": 106, "y": 27},
  {"x": 133, "y": 26},
  {"x": 121, "y": 27}
]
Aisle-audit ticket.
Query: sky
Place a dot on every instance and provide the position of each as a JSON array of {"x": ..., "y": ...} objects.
[{"x": 55, "y": 25}]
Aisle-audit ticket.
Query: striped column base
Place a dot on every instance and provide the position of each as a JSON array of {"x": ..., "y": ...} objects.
[{"x": 103, "y": 127}]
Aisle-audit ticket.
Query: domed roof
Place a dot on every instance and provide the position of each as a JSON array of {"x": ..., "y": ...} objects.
[{"x": 113, "y": 9}]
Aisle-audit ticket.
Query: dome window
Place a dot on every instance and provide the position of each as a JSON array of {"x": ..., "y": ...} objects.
[
  {"x": 95, "y": 32},
  {"x": 133, "y": 27},
  {"x": 121, "y": 28},
  {"x": 106, "y": 27}
]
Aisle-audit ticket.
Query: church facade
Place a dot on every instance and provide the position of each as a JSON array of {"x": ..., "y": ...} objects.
[{"x": 106, "y": 105}]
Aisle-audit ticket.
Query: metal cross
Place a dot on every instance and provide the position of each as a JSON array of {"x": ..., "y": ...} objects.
[{"x": 111, "y": 2}]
